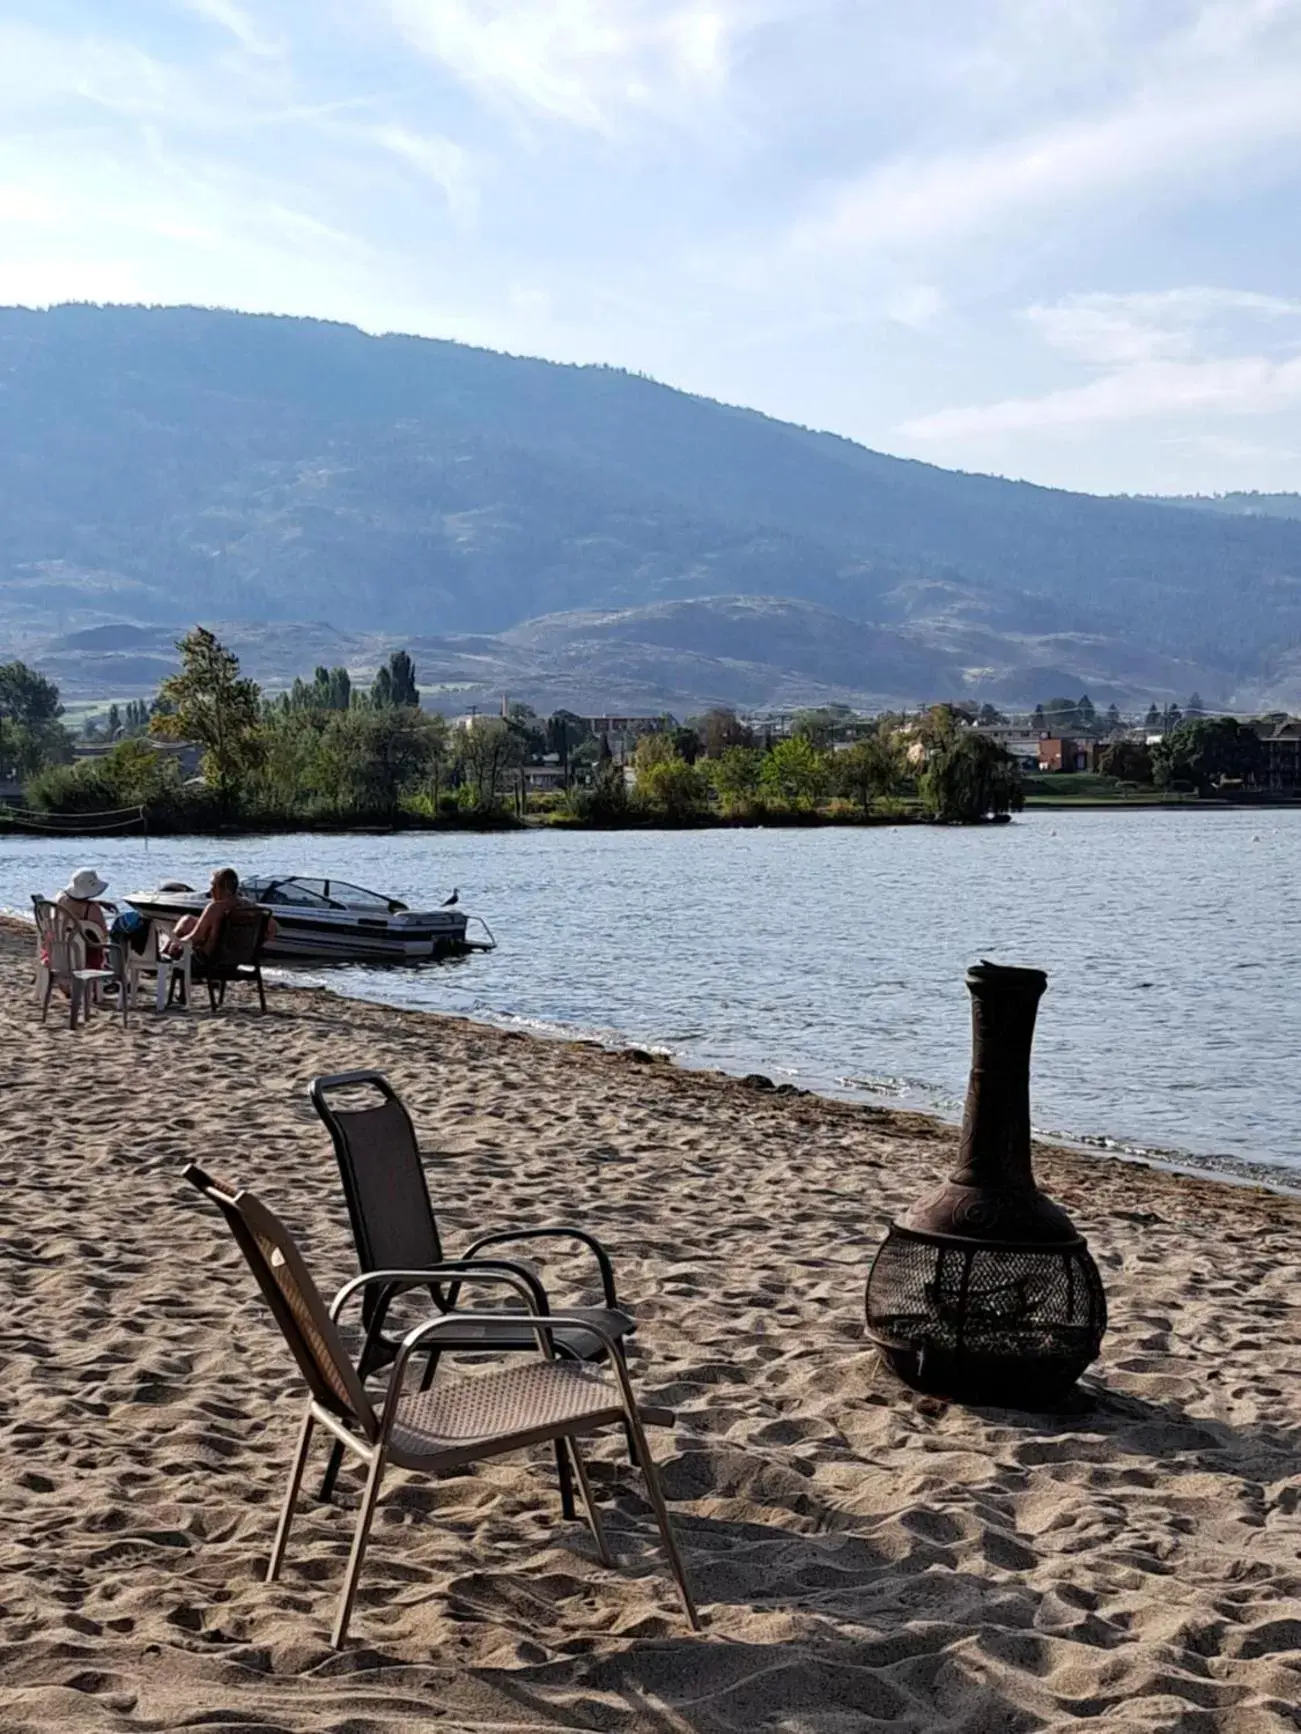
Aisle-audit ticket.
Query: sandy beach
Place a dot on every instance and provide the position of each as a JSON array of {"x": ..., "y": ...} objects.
[{"x": 864, "y": 1557}]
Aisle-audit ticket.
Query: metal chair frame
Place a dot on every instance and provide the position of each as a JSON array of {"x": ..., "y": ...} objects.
[
  {"x": 503, "y": 1330},
  {"x": 338, "y": 1403}
]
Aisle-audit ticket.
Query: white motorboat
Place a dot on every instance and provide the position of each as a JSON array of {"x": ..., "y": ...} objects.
[{"x": 328, "y": 919}]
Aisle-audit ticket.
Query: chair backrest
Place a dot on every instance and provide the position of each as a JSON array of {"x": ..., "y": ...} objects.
[
  {"x": 294, "y": 1299},
  {"x": 60, "y": 937},
  {"x": 243, "y": 933},
  {"x": 383, "y": 1177}
]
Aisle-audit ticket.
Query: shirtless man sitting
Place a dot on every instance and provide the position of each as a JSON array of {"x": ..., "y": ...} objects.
[{"x": 203, "y": 930}]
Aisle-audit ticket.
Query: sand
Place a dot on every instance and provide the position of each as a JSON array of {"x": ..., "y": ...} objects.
[{"x": 864, "y": 1557}]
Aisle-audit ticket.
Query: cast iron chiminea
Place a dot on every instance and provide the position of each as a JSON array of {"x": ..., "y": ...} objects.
[{"x": 986, "y": 1291}]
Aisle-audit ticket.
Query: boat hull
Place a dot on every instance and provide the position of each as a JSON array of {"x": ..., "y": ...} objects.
[{"x": 342, "y": 937}]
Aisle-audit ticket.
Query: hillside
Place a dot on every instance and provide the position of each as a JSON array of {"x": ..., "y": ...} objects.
[
  {"x": 1240, "y": 505},
  {"x": 158, "y": 465}
]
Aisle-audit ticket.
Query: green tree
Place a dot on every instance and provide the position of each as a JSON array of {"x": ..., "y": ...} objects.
[
  {"x": 370, "y": 759},
  {"x": 1195, "y": 707},
  {"x": 1206, "y": 751},
  {"x": 737, "y": 776},
  {"x": 31, "y": 735},
  {"x": 1131, "y": 761},
  {"x": 820, "y": 727},
  {"x": 1113, "y": 720},
  {"x": 486, "y": 752},
  {"x": 208, "y": 701},
  {"x": 968, "y": 778},
  {"x": 869, "y": 770},
  {"x": 673, "y": 787},
  {"x": 395, "y": 683},
  {"x": 1152, "y": 721},
  {"x": 795, "y": 772}
]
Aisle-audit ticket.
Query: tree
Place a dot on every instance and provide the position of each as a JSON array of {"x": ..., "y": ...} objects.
[
  {"x": 209, "y": 702},
  {"x": 869, "y": 770},
  {"x": 114, "y": 722},
  {"x": 395, "y": 683},
  {"x": 737, "y": 775},
  {"x": 486, "y": 751},
  {"x": 330, "y": 689},
  {"x": 1207, "y": 751},
  {"x": 720, "y": 730},
  {"x": 1152, "y": 721},
  {"x": 989, "y": 717},
  {"x": 1086, "y": 717},
  {"x": 26, "y": 697},
  {"x": 795, "y": 772},
  {"x": 1113, "y": 719},
  {"x": 672, "y": 786},
  {"x": 1195, "y": 707},
  {"x": 1131, "y": 761},
  {"x": 371, "y": 757},
  {"x": 968, "y": 779},
  {"x": 820, "y": 727},
  {"x": 1171, "y": 717},
  {"x": 31, "y": 735}
]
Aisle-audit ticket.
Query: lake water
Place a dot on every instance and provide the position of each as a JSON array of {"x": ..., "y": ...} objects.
[{"x": 834, "y": 958}]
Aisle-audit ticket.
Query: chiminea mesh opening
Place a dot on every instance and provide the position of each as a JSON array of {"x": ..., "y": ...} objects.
[{"x": 1000, "y": 1320}]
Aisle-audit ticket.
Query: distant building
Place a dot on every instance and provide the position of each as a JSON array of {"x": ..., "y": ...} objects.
[
  {"x": 1059, "y": 753},
  {"x": 1282, "y": 743},
  {"x": 186, "y": 753}
]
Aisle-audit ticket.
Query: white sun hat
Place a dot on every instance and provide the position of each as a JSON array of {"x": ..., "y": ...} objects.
[{"x": 86, "y": 884}]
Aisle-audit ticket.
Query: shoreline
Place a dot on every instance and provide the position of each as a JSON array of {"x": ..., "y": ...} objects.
[
  {"x": 864, "y": 1557},
  {"x": 67, "y": 825},
  {"x": 1225, "y": 1170}
]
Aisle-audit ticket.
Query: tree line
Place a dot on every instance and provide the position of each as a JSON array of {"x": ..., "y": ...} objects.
[{"x": 328, "y": 752}]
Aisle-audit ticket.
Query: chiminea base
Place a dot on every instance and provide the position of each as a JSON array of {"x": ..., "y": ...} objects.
[{"x": 1011, "y": 1323}]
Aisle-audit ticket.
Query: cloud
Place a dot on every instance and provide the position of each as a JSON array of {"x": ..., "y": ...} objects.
[
  {"x": 1175, "y": 352},
  {"x": 437, "y": 159},
  {"x": 586, "y": 62},
  {"x": 234, "y": 19},
  {"x": 917, "y": 201}
]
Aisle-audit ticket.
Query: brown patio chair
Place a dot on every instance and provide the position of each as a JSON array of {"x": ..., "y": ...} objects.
[
  {"x": 457, "y": 1420},
  {"x": 237, "y": 955},
  {"x": 394, "y": 1227}
]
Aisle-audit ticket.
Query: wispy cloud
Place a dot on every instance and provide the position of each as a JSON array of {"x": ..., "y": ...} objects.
[
  {"x": 1175, "y": 353},
  {"x": 236, "y": 20},
  {"x": 587, "y": 62}
]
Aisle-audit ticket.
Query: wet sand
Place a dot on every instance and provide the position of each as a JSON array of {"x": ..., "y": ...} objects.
[{"x": 864, "y": 1557}]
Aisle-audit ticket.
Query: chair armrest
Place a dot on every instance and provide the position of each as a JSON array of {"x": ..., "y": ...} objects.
[
  {"x": 455, "y": 1272},
  {"x": 558, "y": 1232}
]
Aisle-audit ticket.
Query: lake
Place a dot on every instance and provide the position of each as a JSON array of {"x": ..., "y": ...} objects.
[{"x": 834, "y": 958}]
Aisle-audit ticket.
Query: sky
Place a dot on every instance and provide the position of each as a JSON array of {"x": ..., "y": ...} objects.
[{"x": 1055, "y": 239}]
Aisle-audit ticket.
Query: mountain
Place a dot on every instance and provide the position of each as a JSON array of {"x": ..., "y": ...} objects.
[
  {"x": 159, "y": 465},
  {"x": 751, "y": 652}
]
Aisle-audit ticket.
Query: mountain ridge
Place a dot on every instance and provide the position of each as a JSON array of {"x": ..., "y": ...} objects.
[{"x": 159, "y": 465}]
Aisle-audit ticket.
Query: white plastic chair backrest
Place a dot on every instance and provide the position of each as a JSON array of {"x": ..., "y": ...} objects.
[{"x": 64, "y": 940}]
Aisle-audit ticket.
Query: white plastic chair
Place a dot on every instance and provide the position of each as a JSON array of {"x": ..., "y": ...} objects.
[{"x": 61, "y": 961}]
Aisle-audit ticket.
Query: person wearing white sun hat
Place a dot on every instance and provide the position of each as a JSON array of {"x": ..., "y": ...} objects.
[{"x": 80, "y": 897}]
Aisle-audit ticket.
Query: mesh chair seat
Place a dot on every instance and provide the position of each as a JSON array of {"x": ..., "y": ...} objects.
[{"x": 464, "y": 1419}]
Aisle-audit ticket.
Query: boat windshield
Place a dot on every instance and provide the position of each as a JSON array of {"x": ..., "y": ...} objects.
[{"x": 316, "y": 894}]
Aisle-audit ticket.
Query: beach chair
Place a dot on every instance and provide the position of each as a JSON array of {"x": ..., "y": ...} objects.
[
  {"x": 394, "y": 1227},
  {"x": 456, "y": 1420},
  {"x": 237, "y": 955},
  {"x": 61, "y": 961}
]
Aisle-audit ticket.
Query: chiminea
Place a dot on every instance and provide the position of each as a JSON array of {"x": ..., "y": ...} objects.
[{"x": 986, "y": 1291}]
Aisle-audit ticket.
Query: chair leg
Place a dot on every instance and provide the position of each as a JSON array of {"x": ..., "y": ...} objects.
[
  {"x": 568, "y": 1510},
  {"x": 431, "y": 1367},
  {"x": 49, "y": 989},
  {"x": 593, "y": 1515},
  {"x": 331, "y": 1476},
  {"x": 651, "y": 1476},
  {"x": 75, "y": 1002},
  {"x": 291, "y": 1495},
  {"x": 358, "y": 1554},
  {"x": 261, "y": 991}
]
